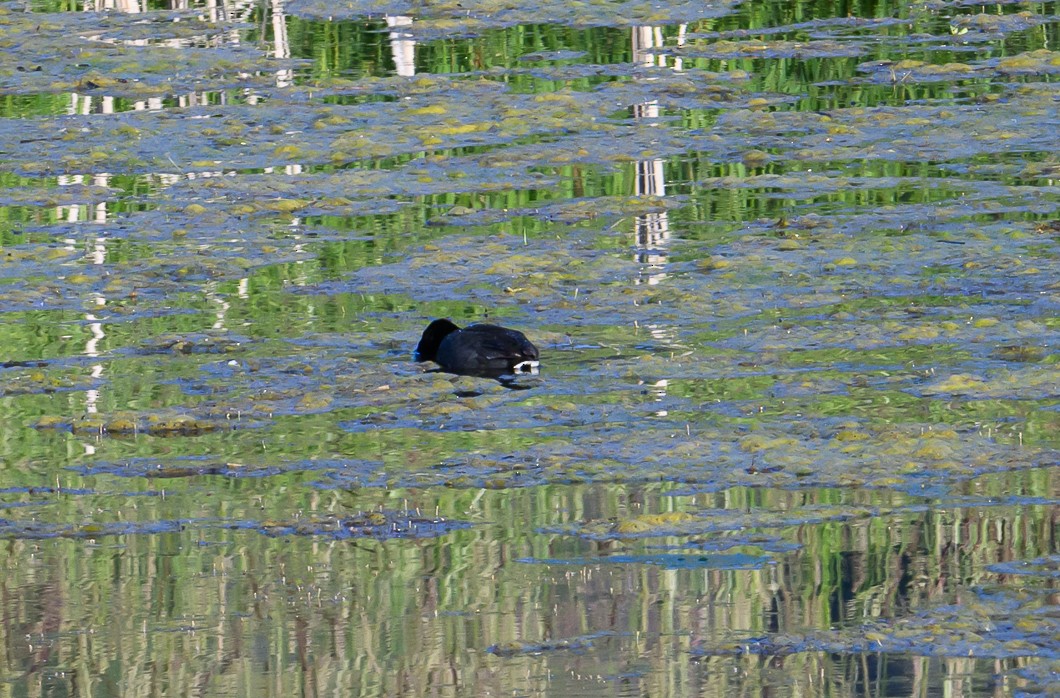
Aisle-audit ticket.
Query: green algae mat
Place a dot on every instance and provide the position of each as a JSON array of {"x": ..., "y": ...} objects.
[{"x": 793, "y": 270}]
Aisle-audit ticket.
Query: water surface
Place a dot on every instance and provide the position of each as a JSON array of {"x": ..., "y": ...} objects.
[{"x": 792, "y": 269}]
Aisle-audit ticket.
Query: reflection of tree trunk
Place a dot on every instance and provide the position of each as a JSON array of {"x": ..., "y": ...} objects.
[
  {"x": 305, "y": 656},
  {"x": 216, "y": 11},
  {"x": 402, "y": 46},
  {"x": 651, "y": 180},
  {"x": 682, "y": 30},
  {"x": 128, "y": 6},
  {"x": 652, "y": 230},
  {"x": 51, "y": 623},
  {"x": 281, "y": 43},
  {"x": 645, "y": 39}
]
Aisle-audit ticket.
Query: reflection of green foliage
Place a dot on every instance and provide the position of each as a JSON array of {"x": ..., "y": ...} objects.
[
  {"x": 14, "y": 106},
  {"x": 845, "y": 572}
]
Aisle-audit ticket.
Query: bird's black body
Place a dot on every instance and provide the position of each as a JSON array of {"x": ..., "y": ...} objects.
[{"x": 476, "y": 350}]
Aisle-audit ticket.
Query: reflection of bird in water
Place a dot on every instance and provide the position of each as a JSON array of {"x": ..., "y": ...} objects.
[{"x": 477, "y": 350}]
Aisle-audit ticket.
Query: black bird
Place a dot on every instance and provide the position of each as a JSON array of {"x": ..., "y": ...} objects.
[{"x": 477, "y": 350}]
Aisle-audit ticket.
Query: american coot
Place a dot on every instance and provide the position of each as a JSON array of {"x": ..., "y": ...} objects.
[{"x": 477, "y": 350}]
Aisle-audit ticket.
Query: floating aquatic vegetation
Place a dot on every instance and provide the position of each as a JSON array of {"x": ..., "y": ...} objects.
[
  {"x": 759, "y": 541},
  {"x": 106, "y": 54},
  {"x": 154, "y": 469},
  {"x": 380, "y": 525},
  {"x": 710, "y": 521},
  {"x": 993, "y": 25},
  {"x": 1045, "y": 567},
  {"x": 671, "y": 561},
  {"x": 577, "y": 644},
  {"x": 986, "y": 624},
  {"x": 129, "y": 424},
  {"x": 39, "y": 530},
  {"x": 40, "y": 379},
  {"x": 773, "y": 49},
  {"x": 193, "y": 344}
]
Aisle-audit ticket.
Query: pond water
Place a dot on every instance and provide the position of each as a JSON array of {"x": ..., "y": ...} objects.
[{"x": 792, "y": 268}]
